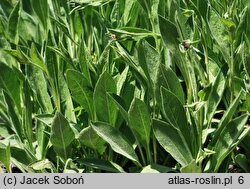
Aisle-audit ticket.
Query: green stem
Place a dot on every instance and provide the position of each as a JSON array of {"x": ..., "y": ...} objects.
[
  {"x": 141, "y": 153},
  {"x": 148, "y": 152}
]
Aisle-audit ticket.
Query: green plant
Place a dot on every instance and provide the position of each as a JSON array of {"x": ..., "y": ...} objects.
[{"x": 124, "y": 85}]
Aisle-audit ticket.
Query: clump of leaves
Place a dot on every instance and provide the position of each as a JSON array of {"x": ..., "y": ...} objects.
[{"x": 124, "y": 86}]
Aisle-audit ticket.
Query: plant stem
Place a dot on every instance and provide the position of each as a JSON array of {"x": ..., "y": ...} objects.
[
  {"x": 149, "y": 158},
  {"x": 142, "y": 156}
]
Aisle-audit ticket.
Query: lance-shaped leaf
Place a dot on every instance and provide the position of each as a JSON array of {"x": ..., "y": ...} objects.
[
  {"x": 102, "y": 101},
  {"x": 11, "y": 85},
  {"x": 39, "y": 86},
  {"x": 65, "y": 98},
  {"x": 214, "y": 99},
  {"x": 148, "y": 59},
  {"x": 14, "y": 22},
  {"x": 81, "y": 90},
  {"x": 15, "y": 118},
  {"x": 41, "y": 8},
  {"x": 216, "y": 94},
  {"x": 230, "y": 137},
  {"x": 89, "y": 138},
  {"x": 5, "y": 156},
  {"x": 169, "y": 33},
  {"x": 120, "y": 105},
  {"x": 226, "y": 118},
  {"x": 140, "y": 122},
  {"x": 61, "y": 135},
  {"x": 37, "y": 59},
  {"x": 174, "y": 112},
  {"x": 115, "y": 139},
  {"x": 173, "y": 142},
  {"x": 167, "y": 78}
]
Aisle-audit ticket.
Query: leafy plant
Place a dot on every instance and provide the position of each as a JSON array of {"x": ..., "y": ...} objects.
[{"x": 124, "y": 86}]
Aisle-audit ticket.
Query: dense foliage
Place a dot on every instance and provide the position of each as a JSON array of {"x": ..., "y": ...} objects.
[{"x": 124, "y": 85}]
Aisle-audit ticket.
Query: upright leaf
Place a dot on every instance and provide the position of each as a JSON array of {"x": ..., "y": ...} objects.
[
  {"x": 226, "y": 117},
  {"x": 5, "y": 156},
  {"x": 14, "y": 115},
  {"x": 230, "y": 137},
  {"x": 65, "y": 98},
  {"x": 61, "y": 135},
  {"x": 27, "y": 114},
  {"x": 102, "y": 101},
  {"x": 214, "y": 98},
  {"x": 148, "y": 59},
  {"x": 85, "y": 59},
  {"x": 81, "y": 91},
  {"x": 41, "y": 8},
  {"x": 169, "y": 33},
  {"x": 173, "y": 142},
  {"x": 37, "y": 59},
  {"x": 174, "y": 112},
  {"x": 39, "y": 86},
  {"x": 167, "y": 78},
  {"x": 140, "y": 122},
  {"x": 14, "y": 22},
  {"x": 12, "y": 85}
]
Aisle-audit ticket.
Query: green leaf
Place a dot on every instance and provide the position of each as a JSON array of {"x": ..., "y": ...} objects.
[
  {"x": 140, "y": 122},
  {"x": 47, "y": 119},
  {"x": 214, "y": 98},
  {"x": 204, "y": 93},
  {"x": 101, "y": 164},
  {"x": 218, "y": 33},
  {"x": 15, "y": 117},
  {"x": 14, "y": 22},
  {"x": 120, "y": 105},
  {"x": 226, "y": 118},
  {"x": 67, "y": 107},
  {"x": 127, "y": 11},
  {"x": 246, "y": 63},
  {"x": 61, "y": 135},
  {"x": 41, "y": 165},
  {"x": 81, "y": 90},
  {"x": 172, "y": 141},
  {"x": 89, "y": 138},
  {"x": 27, "y": 114},
  {"x": 21, "y": 154},
  {"x": 155, "y": 168},
  {"x": 174, "y": 112},
  {"x": 6, "y": 7},
  {"x": 42, "y": 137},
  {"x": 12, "y": 85},
  {"x": 167, "y": 78},
  {"x": 84, "y": 61},
  {"x": 102, "y": 101},
  {"x": 149, "y": 59},
  {"x": 5, "y": 156},
  {"x": 115, "y": 139},
  {"x": 229, "y": 24},
  {"x": 122, "y": 80},
  {"x": 243, "y": 162},
  {"x": 37, "y": 59},
  {"x": 191, "y": 168},
  {"x": 230, "y": 136},
  {"x": 41, "y": 8},
  {"x": 169, "y": 33},
  {"x": 39, "y": 86}
]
